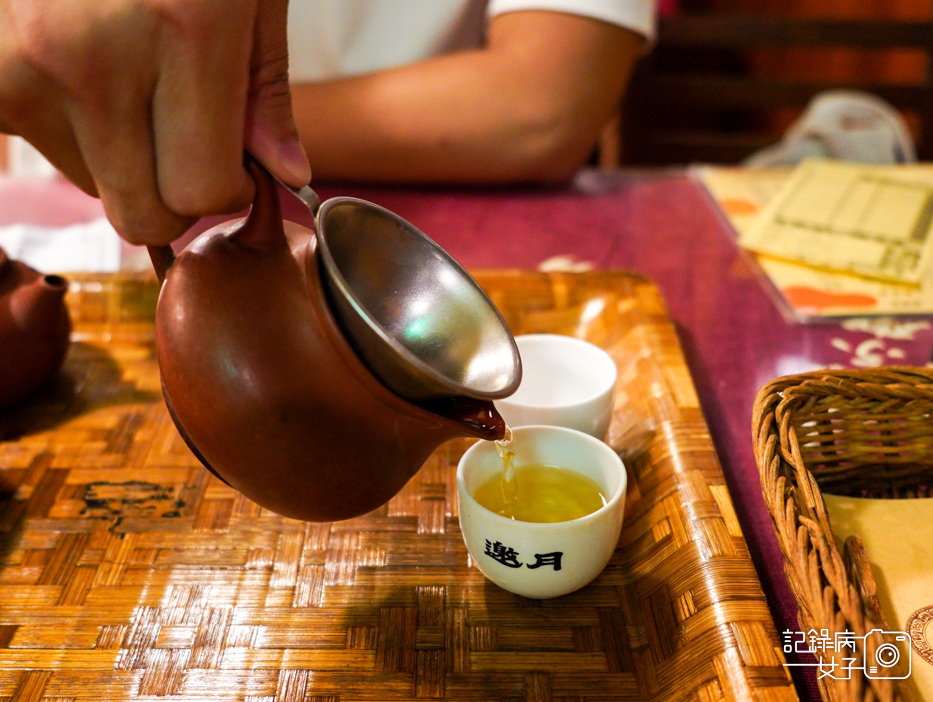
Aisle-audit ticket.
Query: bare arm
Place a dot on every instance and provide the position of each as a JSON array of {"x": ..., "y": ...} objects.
[{"x": 527, "y": 107}]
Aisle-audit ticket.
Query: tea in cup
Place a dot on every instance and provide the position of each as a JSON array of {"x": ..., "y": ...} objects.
[
  {"x": 566, "y": 382},
  {"x": 551, "y": 526}
]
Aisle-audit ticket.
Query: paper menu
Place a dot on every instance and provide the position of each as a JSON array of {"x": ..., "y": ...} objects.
[
  {"x": 805, "y": 293},
  {"x": 898, "y": 538},
  {"x": 849, "y": 218}
]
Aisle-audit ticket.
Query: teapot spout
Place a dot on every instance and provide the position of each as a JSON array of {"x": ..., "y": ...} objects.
[
  {"x": 477, "y": 418},
  {"x": 38, "y": 307}
]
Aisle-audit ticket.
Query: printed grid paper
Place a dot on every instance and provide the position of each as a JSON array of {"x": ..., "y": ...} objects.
[{"x": 846, "y": 217}]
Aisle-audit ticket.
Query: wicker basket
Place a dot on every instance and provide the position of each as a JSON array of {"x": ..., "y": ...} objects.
[{"x": 864, "y": 433}]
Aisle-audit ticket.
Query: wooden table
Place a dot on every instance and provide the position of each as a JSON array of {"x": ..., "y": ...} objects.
[{"x": 661, "y": 225}]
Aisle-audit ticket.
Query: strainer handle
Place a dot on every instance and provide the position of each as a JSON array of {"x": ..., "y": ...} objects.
[{"x": 307, "y": 196}]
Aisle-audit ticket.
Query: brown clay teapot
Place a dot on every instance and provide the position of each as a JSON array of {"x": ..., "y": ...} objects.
[
  {"x": 34, "y": 329},
  {"x": 265, "y": 388}
]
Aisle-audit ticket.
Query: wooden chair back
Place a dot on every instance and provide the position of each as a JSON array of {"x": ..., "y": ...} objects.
[{"x": 703, "y": 94}]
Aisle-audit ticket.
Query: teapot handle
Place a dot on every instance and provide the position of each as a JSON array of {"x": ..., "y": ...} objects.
[
  {"x": 308, "y": 197},
  {"x": 162, "y": 257}
]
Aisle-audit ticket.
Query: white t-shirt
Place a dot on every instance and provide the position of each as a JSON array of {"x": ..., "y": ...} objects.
[{"x": 336, "y": 38}]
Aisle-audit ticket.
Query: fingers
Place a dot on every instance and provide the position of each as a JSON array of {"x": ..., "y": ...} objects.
[
  {"x": 31, "y": 106},
  {"x": 122, "y": 163},
  {"x": 54, "y": 138},
  {"x": 37, "y": 115},
  {"x": 148, "y": 103},
  {"x": 113, "y": 129},
  {"x": 79, "y": 91},
  {"x": 198, "y": 111},
  {"x": 271, "y": 134}
]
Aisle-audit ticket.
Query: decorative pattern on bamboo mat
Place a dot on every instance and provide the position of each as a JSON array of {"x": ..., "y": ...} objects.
[{"x": 128, "y": 572}]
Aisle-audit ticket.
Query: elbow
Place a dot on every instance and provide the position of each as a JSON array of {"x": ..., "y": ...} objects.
[
  {"x": 553, "y": 166},
  {"x": 551, "y": 148}
]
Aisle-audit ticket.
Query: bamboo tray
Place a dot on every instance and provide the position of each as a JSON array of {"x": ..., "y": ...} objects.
[{"x": 128, "y": 572}]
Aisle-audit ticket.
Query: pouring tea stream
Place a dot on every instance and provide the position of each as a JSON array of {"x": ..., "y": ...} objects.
[{"x": 316, "y": 371}]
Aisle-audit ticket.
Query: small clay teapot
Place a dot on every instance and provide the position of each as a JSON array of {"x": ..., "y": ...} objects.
[
  {"x": 264, "y": 387},
  {"x": 34, "y": 329}
]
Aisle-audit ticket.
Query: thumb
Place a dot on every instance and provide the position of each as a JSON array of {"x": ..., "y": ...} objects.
[{"x": 270, "y": 131}]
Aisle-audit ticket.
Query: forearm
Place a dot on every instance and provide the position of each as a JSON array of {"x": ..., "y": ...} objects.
[{"x": 528, "y": 107}]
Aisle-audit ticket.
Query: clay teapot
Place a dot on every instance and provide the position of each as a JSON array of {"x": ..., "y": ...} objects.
[
  {"x": 264, "y": 386},
  {"x": 34, "y": 329}
]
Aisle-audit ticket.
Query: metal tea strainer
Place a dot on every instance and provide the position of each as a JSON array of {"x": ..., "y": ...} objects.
[{"x": 416, "y": 318}]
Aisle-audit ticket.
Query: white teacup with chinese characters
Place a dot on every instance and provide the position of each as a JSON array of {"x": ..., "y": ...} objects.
[
  {"x": 536, "y": 559},
  {"x": 566, "y": 382}
]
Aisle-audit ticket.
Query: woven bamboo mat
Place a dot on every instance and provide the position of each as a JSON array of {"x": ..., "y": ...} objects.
[{"x": 128, "y": 572}]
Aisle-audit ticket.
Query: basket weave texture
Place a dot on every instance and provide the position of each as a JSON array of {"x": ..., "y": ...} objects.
[
  {"x": 861, "y": 433},
  {"x": 127, "y": 571}
]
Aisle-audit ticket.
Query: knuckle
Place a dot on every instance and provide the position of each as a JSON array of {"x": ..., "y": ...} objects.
[
  {"x": 75, "y": 48},
  {"x": 33, "y": 35},
  {"x": 196, "y": 21},
  {"x": 44, "y": 46},
  {"x": 269, "y": 97},
  {"x": 136, "y": 212},
  {"x": 147, "y": 227},
  {"x": 208, "y": 196},
  {"x": 25, "y": 96},
  {"x": 269, "y": 78}
]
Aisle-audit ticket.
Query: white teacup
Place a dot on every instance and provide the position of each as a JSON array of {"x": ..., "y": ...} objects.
[
  {"x": 535, "y": 559},
  {"x": 566, "y": 382}
]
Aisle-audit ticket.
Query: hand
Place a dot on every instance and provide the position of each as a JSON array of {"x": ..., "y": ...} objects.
[{"x": 149, "y": 104}]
